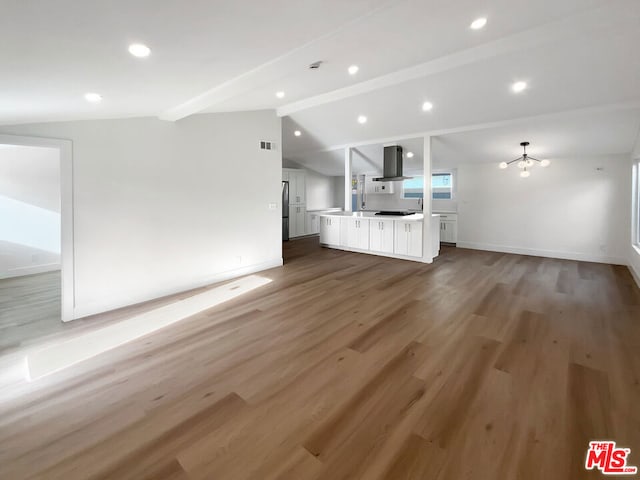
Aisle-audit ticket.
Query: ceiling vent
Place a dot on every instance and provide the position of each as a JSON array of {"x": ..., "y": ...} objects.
[
  {"x": 266, "y": 145},
  {"x": 315, "y": 65}
]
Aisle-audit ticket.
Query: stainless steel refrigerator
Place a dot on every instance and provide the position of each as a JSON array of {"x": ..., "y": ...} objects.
[{"x": 285, "y": 211}]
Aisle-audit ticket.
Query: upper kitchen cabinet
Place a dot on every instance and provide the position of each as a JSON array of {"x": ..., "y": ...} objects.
[{"x": 296, "y": 180}]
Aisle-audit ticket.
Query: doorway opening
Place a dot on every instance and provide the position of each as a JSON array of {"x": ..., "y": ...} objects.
[{"x": 36, "y": 241}]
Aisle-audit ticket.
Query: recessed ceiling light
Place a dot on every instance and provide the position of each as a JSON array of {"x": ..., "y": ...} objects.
[
  {"x": 409, "y": 154},
  {"x": 93, "y": 97},
  {"x": 280, "y": 94},
  {"x": 139, "y": 50},
  {"x": 353, "y": 69},
  {"x": 297, "y": 133},
  {"x": 478, "y": 23},
  {"x": 362, "y": 119},
  {"x": 519, "y": 86},
  {"x": 426, "y": 106}
]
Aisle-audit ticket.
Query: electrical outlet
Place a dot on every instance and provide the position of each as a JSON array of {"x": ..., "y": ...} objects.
[{"x": 273, "y": 206}]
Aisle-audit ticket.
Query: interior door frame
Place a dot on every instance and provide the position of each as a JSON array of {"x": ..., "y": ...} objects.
[{"x": 67, "y": 251}]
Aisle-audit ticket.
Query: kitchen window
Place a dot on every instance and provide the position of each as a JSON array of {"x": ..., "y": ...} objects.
[
  {"x": 413, "y": 187},
  {"x": 442, "y": 185}
]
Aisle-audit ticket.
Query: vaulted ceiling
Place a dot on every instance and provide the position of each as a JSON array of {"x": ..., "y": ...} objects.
[{"x": 578, "y": 58}]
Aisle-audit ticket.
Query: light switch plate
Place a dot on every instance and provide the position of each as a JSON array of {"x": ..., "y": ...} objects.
[{"x": 273, "y": 206}]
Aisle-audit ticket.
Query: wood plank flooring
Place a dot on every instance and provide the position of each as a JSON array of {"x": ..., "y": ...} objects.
[{"x": 348, "y": 366}]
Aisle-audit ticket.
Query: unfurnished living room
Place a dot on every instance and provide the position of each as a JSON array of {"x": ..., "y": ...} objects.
[{"x": 319, "y": 240}]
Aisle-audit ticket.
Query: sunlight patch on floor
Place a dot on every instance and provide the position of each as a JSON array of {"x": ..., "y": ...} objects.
[{"x": 69, "y": 352}]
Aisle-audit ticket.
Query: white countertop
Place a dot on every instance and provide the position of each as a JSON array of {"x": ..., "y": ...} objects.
[
  {"x": 416, "y": 217},
  {"x": 330, "y": 209}
]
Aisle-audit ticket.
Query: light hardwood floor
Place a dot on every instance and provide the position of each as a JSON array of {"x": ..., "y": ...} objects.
[{"x": 480, "y": 366}]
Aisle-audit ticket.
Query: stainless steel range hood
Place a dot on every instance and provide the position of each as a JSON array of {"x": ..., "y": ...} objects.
[{"x": 392, "y": 167}]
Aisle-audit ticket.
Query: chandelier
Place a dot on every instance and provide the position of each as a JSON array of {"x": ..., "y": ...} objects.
[{"x": 525, "y": 162}]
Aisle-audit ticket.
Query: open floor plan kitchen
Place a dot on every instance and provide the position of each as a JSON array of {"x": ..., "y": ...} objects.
[{"x": 319, "y": 240}]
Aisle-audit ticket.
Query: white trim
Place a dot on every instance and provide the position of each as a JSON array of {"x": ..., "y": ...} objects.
[
  {"x": 428, "y": 249},
  {"x": 581, "y": 257},
  {"x": 107, "y": 304},
  {"x": 67, "y": 261},
  {"x": 634, "y": 273},
  {"x": 348, "y": 161},
  {"x": 30, "y": 270}
]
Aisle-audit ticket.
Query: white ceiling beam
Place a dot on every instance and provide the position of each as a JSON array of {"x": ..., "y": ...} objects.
[
  {"x": 481, "y": 126},
  {"x": 575, "y": 25},
  {"x": 267, "y": 72}
]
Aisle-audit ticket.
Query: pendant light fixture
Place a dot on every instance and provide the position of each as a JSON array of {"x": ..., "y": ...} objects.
[{"x": 525, "y": 162}]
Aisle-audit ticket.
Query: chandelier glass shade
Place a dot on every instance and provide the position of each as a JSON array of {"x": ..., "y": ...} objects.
[{"x": 525, "y": 162}]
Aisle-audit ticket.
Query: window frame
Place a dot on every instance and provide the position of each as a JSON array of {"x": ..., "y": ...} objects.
[
  {"x": 454, "y": 181},
  {"x": 404, "y": 197}
]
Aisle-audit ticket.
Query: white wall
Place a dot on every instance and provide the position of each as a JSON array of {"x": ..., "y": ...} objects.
[
  {"x": 160, "y": 207},
  {"x": 29, "y": 210},
  {"x": 320, "y": 191},
  {"x": 338, "y": 191},
  {"x": 568, "y": 210},
  {"x": 634, "y": 252}
]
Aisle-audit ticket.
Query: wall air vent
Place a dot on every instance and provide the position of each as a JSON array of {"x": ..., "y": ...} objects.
[{"x": 266, "y": 145}]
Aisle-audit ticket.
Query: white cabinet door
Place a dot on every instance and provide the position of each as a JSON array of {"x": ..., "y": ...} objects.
[
  {"x": 330, "y": 230},
  {"x": 408, "y": 239},
  {"x": 296, "y": 187},
  {"x": 355, "y": 233},
  {"x": 362, "y": 228},
  {"x": 449, "y": 228},
  {"x": 293, "y": 219},
  {"x": 401, "y": 246},
  {"x": 324, "y": 230},
  {"x": 381, "y": 236},
  {"x": 346, "y": 225},
  {"x": 302, "y": 220},
  {"x": 313, "y": 224},
  {"x": 414, "y": 247},
  {"x": 297, "y": 221},
  {"x": 448, "y": 233}
]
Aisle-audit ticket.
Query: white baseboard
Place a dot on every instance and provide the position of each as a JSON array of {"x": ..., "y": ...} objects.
[
  {"x": 105, "y": 305},
  {"x": 581, "y": 257},
  {"x": 30, "y": 270},
  {"x": 634, "y": 274}
]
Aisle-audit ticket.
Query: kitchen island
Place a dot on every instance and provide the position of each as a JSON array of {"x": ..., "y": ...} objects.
[{"x": 365, "y": 232}]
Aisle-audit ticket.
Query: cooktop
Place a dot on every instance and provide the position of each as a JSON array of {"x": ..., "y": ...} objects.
[{"x": 400, "y": 214}]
